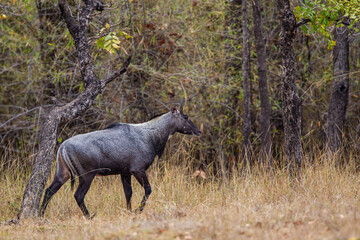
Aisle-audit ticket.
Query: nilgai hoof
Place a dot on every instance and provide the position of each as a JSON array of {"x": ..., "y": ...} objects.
[
  {"x": 139, "y": 209},
  {"x": 11, "y": 222},
  {"x": 90, "y": 217}
]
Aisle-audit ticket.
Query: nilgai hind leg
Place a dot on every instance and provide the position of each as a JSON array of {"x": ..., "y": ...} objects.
[
  {"x": 50, "y": 191},
  {"x": 126, "y": 181},
  {"x": 61, "y": 176},
  {"x": 84, "y": 185}
]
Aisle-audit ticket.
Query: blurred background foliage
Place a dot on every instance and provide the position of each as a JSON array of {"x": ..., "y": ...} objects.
[{"x": 187, "y": 49}]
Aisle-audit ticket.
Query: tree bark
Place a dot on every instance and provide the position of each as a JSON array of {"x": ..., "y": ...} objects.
[
  {"x": 246, "y": 86},
  {"x": 340, "y": 90},
  {"x": 93, "y": 87},
  {"x": 263, "y": 85},
  {"x": 291, "y": 102}
]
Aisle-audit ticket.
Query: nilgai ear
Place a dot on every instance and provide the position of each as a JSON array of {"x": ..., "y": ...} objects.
[{"x": 181, "y": 106}]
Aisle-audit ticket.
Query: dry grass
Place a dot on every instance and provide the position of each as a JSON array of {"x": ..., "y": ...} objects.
[{"x": 322, "y": 203}]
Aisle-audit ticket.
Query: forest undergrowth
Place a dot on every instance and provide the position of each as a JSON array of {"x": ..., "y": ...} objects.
[
  {"x": 190, "y": 50},
  {"x": 321, "y": 201}
]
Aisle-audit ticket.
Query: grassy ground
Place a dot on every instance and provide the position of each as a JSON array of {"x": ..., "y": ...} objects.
[{"x": 322, "y": 203}]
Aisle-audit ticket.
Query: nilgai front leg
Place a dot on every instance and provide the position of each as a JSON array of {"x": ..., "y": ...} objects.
[
  {"x": 126, "y": 181},
  {"x": 143, "y": 180}
]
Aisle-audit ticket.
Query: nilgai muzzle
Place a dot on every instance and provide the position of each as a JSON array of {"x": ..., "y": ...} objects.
[{"x": 125, "y": 149}]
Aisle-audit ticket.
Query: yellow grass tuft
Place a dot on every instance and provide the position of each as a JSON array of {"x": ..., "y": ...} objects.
[{"x": 322, "y": 202}]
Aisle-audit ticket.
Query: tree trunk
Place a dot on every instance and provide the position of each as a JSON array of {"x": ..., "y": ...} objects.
[
  {"x": 291, "y": 102},
  {"x": 246, "y": 86},
  {"x": 41, "y": 169},
  {"x": 263, "y": 85},
  {"x": 93, "y": 87},
  {"x": 340, "y": 90}
]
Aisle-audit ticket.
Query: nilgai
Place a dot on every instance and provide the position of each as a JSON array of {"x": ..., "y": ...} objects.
[{"x": 125, "y": 149}]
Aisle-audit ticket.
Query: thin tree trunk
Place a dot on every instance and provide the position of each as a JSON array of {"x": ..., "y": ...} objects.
[
  {"x": 340, "y": 90},
  {"x": 263, "y": 85},
  {"x": 291, "y": 102},
  {"x": 246, "y": 85},
  {"x": 308, "y": 70},
  {"x": 93, "y": 87}
]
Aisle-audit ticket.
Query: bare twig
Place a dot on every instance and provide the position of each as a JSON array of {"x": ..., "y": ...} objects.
[
  {"x": 302, "y": 22},
  {"x": 147, "y": 94},
  {"x": 23, "y": 113},
  {"x": 228, "y": 107},
  {"x": 117, "y": 73}
]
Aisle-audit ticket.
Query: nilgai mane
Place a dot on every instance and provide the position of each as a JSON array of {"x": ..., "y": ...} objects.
[{"x": 125, "y": 149}]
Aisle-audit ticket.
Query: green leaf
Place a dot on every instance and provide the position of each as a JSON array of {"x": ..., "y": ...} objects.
[
  {"x": 100, "y": 43},
  {"x": 108, "y": 37}
]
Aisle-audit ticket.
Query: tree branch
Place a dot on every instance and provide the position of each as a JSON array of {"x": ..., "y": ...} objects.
[
  {"x": 79, "y": 32},
  {"x": 85, "y": 15},
  {"x": 116, "y": 73},
  {"x": 23, "y": 113},
  {"x": 69, "y": 19},
  {"x": 227, "y": 106},
  {"x": 302, "y": 22}
]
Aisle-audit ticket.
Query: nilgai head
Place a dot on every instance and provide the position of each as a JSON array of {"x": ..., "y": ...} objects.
[{"x": 183, "y": 123}]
